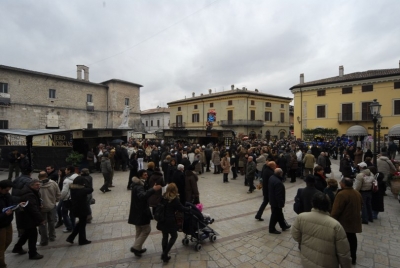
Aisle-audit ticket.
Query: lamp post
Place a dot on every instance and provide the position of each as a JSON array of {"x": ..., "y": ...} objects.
[
  {"x": 375, "y": 112},
  {"x": 379, "y": 122}
]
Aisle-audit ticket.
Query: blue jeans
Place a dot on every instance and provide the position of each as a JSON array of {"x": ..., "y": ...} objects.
[
  {"x": 69, "y": 219},
  {"x": 366, "y": 211}
]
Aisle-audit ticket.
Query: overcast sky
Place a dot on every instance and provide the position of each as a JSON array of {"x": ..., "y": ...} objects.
[{"x": 176, "y": 47}]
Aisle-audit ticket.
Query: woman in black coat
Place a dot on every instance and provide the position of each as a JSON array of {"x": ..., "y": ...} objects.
[
  {"x": 80, "y": 190},
  {"x": 169, "y": 227},
  {"x": 377, "y": 197}
]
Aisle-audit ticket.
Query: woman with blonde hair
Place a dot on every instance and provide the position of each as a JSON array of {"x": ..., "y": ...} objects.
[{"x": 169, "y": 227}]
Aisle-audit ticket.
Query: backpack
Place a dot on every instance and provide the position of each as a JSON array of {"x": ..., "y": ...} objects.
[
  {"x": 159, "y": 212},
  {"x": 298, "y": 206}
]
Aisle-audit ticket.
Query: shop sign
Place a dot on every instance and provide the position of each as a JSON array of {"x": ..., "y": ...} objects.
[
  {"x": 60, "y": 140},
  {"x": 42, "y": 140},
  {"x": 105, "y": 133},
  {"x": 15, "y": 140}
]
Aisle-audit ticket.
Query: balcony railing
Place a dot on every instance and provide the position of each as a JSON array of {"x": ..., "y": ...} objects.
[
  {"x": 178, "y": 125},
  {"x": 354, "y": 117},
  {"x": 241, "y": 122}
]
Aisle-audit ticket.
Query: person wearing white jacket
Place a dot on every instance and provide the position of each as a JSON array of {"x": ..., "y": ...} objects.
[{"x": 69, "y": 222}]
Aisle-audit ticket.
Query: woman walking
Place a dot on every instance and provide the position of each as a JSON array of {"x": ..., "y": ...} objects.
[
  {"x": 226, "y": 166},
  {"x": 169, "y": 227}
]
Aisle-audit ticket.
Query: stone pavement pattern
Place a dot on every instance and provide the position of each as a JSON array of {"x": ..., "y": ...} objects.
[{"x": 242, "y": 241}]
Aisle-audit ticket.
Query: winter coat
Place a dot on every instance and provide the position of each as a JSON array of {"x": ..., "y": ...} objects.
[
  {"x": 276, "y": 192},
  {"x": 65, "y": 192},
  {"x": 322, "y": 240},
  {"x": 53, "y": 175},
  {"x": 347, "y": 208},
  {"x": 179, "y": 179},
  {"x": 186, "y": 163},
  {"x": 50, "y": 194},
  {"x": 6, "y": 200},
  {"x": 191, "y": 189},
  {"x": 261, "y": 161},
  {"x": 156, "y": 178},
  {"x": 320, "y": 182},
  {"x": 385, "y": 166},
  {"x": 293, "y": 163},
  {"x": 106, "y": 167},
  {"x": 199, "y": 165},
  {"x": 139, "y": 213},
  {"x": 345, "y": 167},
  {"x": 251, "y": 170},
  {"x": 215, "y": 158},
  {"x": 172, "y": 206},
  {"x": 306, "y": 197},
  {"x": 309, "y": 161},
  {"x": 164, "y": 168},
  {"x": 364, "y": 180},
  {"x": 266, "y": 173},
  {"x": 358, "y": 157},
  {"x": 30, "y": 217},
  {"x": 225, "y": 165},
  {"x": 89, "y": 179},
  {"x": 171, "y": 171},
  {"x": 79, "y": 195},
  {"x": 321, "y": 161},
  {"x": 282, "y": 163},
  {"x": 377, "y": 197}
]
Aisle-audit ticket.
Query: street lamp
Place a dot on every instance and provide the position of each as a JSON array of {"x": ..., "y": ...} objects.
[
  {"x": 379, "y": 122},
  {"x": 375, "y": 112}
]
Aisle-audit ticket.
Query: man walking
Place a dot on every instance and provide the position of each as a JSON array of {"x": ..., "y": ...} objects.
[
  {"x": 65, "y": 195},
  {"x": 29, "y": 219},
  {"x": 250, "y": 174},
  {"x": 277, "y": 193},
  {"x": 266, "y": 173},
  {"x": 50, "y": 194},
  {"x": 346, "y": 210},
  {"x": 309, "y": 161},
  {"x": 107, "y": 170},
  {"x": 139, "y": 213},
  {"x": 322, "y": 240},
  {"x": 14, "y": 159}
]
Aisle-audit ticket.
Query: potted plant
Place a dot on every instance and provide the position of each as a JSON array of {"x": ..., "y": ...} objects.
[
  {"x": 74, "y": 158},
  {"x": 394, "y": 183}
]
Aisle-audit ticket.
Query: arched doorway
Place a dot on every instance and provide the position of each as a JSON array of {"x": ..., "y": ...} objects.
[
  {"x": 268, "y": 135},
  {"x": 282, "y": 134}
]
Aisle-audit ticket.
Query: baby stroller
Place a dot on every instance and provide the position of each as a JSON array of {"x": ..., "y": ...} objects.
[{"x": 195, "y": 227}]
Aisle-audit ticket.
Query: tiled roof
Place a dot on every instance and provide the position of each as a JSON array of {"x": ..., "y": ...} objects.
[
  {"x": 351, "y": 77},
  {"x": 122, "y": 81},
  {"x": 155, "y": 111},
  {"x": 230, "y": 92}
]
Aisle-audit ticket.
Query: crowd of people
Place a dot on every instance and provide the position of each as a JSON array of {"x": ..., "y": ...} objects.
[{"x": 58, "y": 197}]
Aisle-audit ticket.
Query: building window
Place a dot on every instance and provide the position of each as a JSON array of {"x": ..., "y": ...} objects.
[
  {"x": 268, "y": 116},
  {"x": 282, "y": 117},
  {"x": 267, "y": 104},
  {"x": 396, "y": 85},
  {"x": 229, "y": 102},
  {"x": 89, "y": 98},
  {"x": 158, "y": 123},
  {"x": 211, "y": 105},
  {"x": 147, "y": 123},
  {"x": 396, "y": 106},
  {"x": 3, "y": 124},
  {"x": 151, "y": 123},
  {"x": 367, "y": 88},
  {"x": 252, "y": 102},
  {"x": 178, "y": 120},
  {"x": 230, "y": 115},
  {"x": 126, "y": 101},
  {"x": 52, "y": 93},
  {"x": 321, "y": 111},
  {"x": 282, "y": 106},
  {"x": 347, "y": 90},
  {"x": 366, "y": 111},
  {"x": 195, "y": 118},
  {"x": 3, "y": 88},
  {"x": 195, "y": 107},
  {"x": 347, "y": 112},
  {"x": 89, "y": 126},
  {"x": 321, "y": 93},
  {"x": 179, "y": 109},
  {"x": 252, "y": 115}
]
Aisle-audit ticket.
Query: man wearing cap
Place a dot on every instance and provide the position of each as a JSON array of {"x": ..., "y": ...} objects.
[
  {"x": 363, "y": 184},
  {"x": 309, "y": 161}
]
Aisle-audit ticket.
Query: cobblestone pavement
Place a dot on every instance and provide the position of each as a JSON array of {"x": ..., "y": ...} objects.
[{"x": 242, "y": 241}]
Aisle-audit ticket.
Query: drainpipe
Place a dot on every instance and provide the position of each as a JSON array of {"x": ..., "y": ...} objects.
[{"x": 301, "y": 113}]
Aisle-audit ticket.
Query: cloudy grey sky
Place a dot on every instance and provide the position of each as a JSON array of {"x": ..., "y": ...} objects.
[{"x": 177, "y": 47}]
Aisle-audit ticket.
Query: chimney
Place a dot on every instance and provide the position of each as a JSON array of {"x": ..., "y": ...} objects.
[
  {"x": 256, "y": 90},
  {"x": 85, "y": 69},
  {"x": 209, "y": 91},
  {"x": 232, "y": 87},
  {"x": 193, "y": 94},
  {"x": 341, "y": 70},
  {"x": 301, "y": 78}
]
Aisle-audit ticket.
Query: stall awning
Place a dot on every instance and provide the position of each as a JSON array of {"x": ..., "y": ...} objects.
[
  {"x": 394, "y": 131},
  {"x": 356, "y": 131}
]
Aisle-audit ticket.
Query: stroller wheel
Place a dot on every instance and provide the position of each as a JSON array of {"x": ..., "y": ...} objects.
[
  {"x": 197, "y": 247},
  {"x": 185, "y": 241},
  {"x": 213, "y": 237}
]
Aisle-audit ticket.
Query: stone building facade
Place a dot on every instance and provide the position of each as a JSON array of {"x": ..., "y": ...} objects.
[
  {"x": 35, "y": 100},
  {"x": 155, "y": 119}
]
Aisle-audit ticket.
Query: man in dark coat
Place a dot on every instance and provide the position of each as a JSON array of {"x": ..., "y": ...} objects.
[
  {"x": 277, "y": 194},
  {"x": 155, "y": 156},
  {"x": 29, "y": 219},
  {"x": 208, "y": 152},
  {"x": 52, "y": 173},
  {"x": 250, "y": 174},
  {"x": 14, "y": 159},
  {"x": 133, "y": 169},
  {"x": 139, "y": 213},
  {"x": 266, "y": 173},
  {"x": 179, "y": 179},
  {"x": 306, "y": 194},
  {"x": 185, "y": 161}
]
